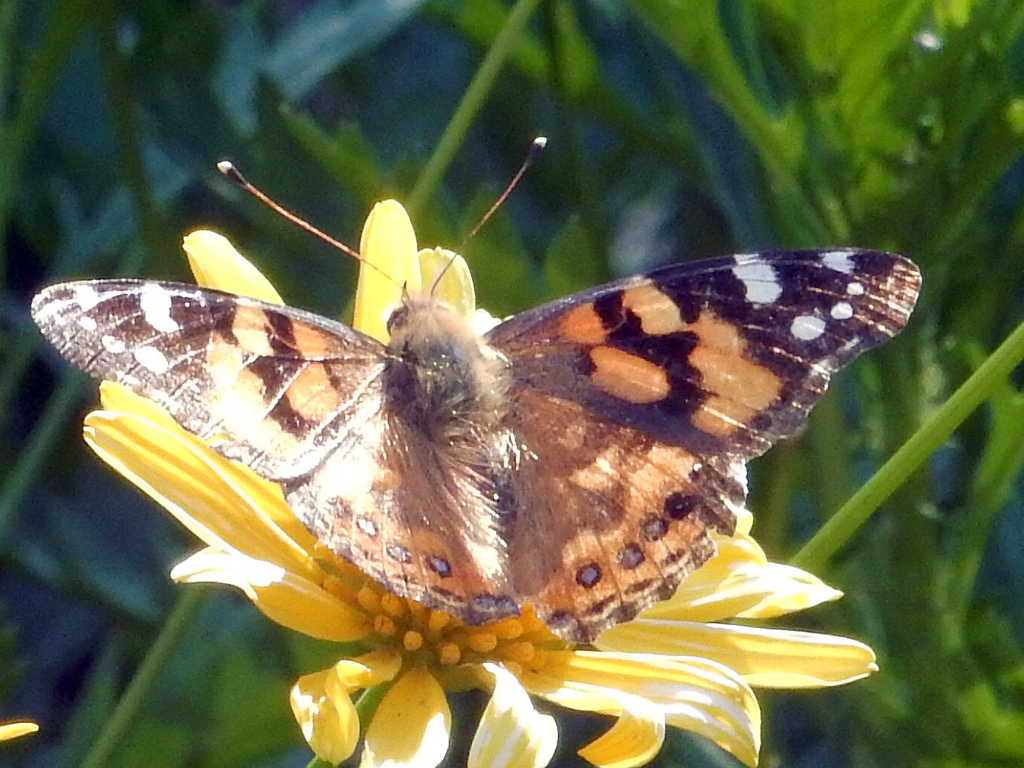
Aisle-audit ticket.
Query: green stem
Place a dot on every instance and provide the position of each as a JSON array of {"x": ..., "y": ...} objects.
[
  {"x": 40, "y": 69},
  {"x": 44, "y": 436},
  {"x": 584, "y": 190},
  {"x": 472, "y": 100},
  {"x": 65, "y": 399},
  {"x": 367, "y": 703},
  {"x": 122, "y": 104},
  {"x": 993, "y": 482},
  {"x": 844, "y": 523},
  {"x": 147, "y": 676}
]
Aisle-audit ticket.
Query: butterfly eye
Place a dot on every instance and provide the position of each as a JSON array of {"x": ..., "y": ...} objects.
[{"x": 398, "y": 317}]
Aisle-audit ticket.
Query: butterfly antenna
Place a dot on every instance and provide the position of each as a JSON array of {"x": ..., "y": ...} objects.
[
  {"x": 531, "y": 155},
  {"x": 235, "y": 176}
]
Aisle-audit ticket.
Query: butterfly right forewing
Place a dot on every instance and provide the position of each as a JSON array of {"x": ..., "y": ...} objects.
[{"x": 723, "y": 356}]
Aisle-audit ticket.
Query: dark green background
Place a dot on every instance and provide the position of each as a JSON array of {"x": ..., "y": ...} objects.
[{"x": 676, "y": 130}]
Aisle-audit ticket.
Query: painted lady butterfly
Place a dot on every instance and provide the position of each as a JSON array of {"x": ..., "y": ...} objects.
[{"x": 574, "y": 458}]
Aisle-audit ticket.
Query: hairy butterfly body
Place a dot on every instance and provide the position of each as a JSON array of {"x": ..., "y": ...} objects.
[{"x": 575, "y": 458}]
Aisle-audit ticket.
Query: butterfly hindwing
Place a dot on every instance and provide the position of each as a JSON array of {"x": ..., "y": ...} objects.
[
  {"x": 605, "y": 520},
  {"x": 411, "y": 517}
]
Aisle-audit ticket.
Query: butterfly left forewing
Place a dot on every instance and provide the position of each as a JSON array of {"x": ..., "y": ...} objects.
[{"x": 270, "y": 386}]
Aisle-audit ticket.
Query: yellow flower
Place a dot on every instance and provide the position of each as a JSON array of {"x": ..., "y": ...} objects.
[
  {"x": 14, "y": 730},
  {"x": 674, "y": 665}
]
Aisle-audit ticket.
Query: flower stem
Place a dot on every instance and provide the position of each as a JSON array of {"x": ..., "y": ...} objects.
[
  {"x": 855, "y": 512},
  {"x": 147, "y": 676},
  {"x": 45, "y": 435},
  {"x": 367, "y": 703},
  {"x": 472, "y": 100}
]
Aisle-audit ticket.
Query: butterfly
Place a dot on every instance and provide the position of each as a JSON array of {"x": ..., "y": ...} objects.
[{"x": 576, "y": 458}]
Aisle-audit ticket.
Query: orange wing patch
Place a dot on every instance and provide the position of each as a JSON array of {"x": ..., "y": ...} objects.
[
  {"x": 313, "y": 395},
  {"x": 583, "y": 325},
  {"x": 627, "y": 376},
  {"x": 250, "y": 329},
  {"x": 659, "y": 314},
  {"x": 738, "y": 388},
  {"x": 735, "y": 389}
]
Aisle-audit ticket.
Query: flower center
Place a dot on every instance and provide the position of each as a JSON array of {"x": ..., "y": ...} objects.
[{"x": 435, "y": 638}]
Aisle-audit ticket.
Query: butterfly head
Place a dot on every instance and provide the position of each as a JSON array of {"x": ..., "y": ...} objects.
[{"x": 442, "y": 370}]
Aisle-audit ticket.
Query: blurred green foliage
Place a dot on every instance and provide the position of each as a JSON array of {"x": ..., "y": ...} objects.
[{"x": 676, "y": 130}]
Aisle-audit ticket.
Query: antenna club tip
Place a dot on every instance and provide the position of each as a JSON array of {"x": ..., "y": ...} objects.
[
  {"x": 229, "y": 170},
  {"x": 540, "y": 142}
]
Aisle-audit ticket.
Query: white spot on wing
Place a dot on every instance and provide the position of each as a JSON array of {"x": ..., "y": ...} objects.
[
  {"x": 86, "y": 296},
  {"x": 112, "y": 344},
  {"x": 855, "y": 288},
  {"x": 842, "y": 310},
  {"x": 760, "y": 281},
  {"x": 87, "y": 323},
  {"x": 156, "y": 307},
  {"x": 840, "y": 261},
  {"x": 807, "y": 327},
  {"x": 152, "y": 359}
]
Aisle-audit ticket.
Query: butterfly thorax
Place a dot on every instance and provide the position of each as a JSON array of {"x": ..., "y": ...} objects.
[{"x": 441, "y": 373}]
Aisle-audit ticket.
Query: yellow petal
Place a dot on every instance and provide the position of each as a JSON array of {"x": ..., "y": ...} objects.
[
  {"x": 260, "y": 495},
  {"x": 117, "y": 397},
  {"x": 775, "y": 658},
  {"x": 328, "y": 721},
  {"x": 634, "y": 740},
  {"x": 691, "y": 692},
  {"x": 412, "y": 724},
  {"x": 785, "y": 589},
  {"x": 369, "y": 669},
  {"x": 718, "y": 589},
  {"x": 222, "y": 503},
  {"x": 283, "y": 597},
  {"x": 739, "y": 581},
  {"x": 216, "y": 264},
  {"x": 388, "y": 249},
  {"x": 14, "y": 730},
  {"x": 445, "y": 275},
  {"x": 323, "y": 707},
  {"x": 744, "y": 517},
  {"x": 512, "y": 734}
]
